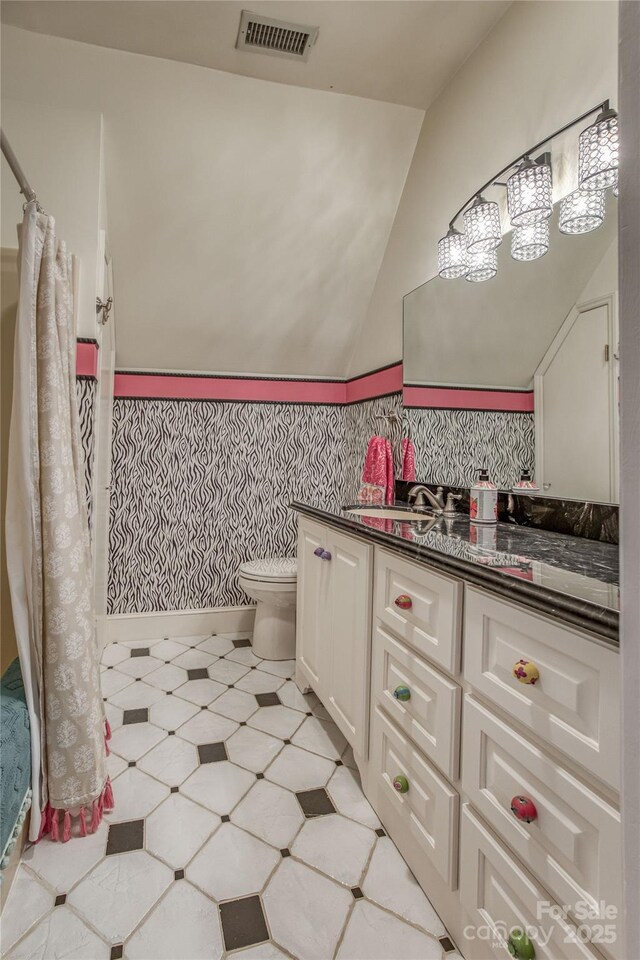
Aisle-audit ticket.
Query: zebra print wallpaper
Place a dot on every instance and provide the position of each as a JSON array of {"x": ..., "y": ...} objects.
[
  {"x": 451, "y": 445},
  {"x": 86, "y": 393},
  {"x": 200, "y": 486}
]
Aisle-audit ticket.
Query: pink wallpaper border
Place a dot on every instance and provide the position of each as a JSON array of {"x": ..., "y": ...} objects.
[
  {"x": 87, "y": 359},
  {"x": 460, "y": 398}
]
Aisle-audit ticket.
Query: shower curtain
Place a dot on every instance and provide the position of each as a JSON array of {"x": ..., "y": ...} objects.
[{"x": 48, "y": 549}]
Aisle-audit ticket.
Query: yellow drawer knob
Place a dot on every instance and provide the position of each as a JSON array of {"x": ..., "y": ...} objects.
[{"x": 525, "y": 671}]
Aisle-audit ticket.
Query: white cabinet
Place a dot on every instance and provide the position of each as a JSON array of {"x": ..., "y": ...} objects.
[{"x": 334, "y": 626}]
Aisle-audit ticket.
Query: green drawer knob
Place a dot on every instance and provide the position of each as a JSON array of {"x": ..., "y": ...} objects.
[
  {"x": 402, "y": 693},
  {"x": 401, "y": 784},
  {"x": 520, "y": 946}
]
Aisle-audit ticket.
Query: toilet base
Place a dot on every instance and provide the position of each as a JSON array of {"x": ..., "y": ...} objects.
[{"x": 274, "y": 632}]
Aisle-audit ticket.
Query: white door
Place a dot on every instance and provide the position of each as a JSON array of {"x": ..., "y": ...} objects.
[
  {"x": 102, "y": 464},
  {"x": 576, "y": 408},
  {"x": 349, "y": 639},
  {"x": 312, "y": 605}
]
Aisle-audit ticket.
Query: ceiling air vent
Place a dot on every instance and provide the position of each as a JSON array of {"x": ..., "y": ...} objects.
[{"x": 282, "y": 39}]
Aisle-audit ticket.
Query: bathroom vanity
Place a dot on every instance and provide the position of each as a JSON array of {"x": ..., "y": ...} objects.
[{"x": 481, "y": 699}]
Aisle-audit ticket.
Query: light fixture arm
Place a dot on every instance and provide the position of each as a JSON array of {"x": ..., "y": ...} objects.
[{"x": 495, "y": 179}]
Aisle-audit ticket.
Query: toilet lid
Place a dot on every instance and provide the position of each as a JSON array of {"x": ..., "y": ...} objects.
[{"x": 282, "y": 569}]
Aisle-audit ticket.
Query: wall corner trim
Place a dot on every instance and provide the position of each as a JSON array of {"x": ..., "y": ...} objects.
[{"x": 174, "y": 623}]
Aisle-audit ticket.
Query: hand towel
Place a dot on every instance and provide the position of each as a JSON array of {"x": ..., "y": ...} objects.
[
  {"x": 408, "y": 460},
  {"x": 378, "y": 470},
  {"x": 391, "y": 490}
]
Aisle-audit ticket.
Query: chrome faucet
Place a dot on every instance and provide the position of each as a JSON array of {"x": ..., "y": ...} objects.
[{"x": 420, "y": 494}]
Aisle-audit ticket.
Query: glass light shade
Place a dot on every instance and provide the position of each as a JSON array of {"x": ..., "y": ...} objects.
[
  {"x": 530, "y": 243},
  {"x": 598, "y": 151},
  {"x": 529, "y": 193},
  {"x": 616, "y": 187},
  {"x": 453, "y": 258},
  {"x": 482, "y": 226},
  {"x": 482, "y": 266},
  {"x": 582, "y": 211}
]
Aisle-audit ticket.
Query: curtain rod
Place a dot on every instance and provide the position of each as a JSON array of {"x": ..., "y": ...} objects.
[{"x": 16, "y": 169}]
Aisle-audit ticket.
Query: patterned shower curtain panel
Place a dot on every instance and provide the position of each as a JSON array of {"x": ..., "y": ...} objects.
[{"x": 48, "y": 548}]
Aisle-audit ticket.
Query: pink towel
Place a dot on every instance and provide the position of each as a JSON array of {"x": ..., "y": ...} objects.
[
  {"x": 408, "y": 460},
  {"x": 378, "y": 466}
]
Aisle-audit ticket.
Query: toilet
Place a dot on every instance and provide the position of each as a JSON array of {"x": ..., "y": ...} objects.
[{"x": 272, "y": 584}]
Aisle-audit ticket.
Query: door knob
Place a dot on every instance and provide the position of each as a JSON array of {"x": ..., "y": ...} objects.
[
  {"x": 404, "y": 602},
  {"x": 523, "y": 808},
  {"x": 520, "y": 946},
  {"x": 401, "y": 784},
  {"x": 318, "y": 551},
  {"x": 402, "y": 693},
  {"x": 325, "y": 555},
  {"x": 525, "y": 671}
]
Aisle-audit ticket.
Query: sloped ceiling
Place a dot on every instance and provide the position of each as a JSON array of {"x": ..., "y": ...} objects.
[{"x": 247, "y": 219}]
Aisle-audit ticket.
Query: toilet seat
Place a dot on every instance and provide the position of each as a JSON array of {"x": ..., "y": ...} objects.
[{"x": 271, "y": 569}]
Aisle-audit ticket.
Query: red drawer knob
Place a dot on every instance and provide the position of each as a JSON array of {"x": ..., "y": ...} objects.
[
  {"x": 404, "y": 602},
  {"x": 523, "y": 808}
]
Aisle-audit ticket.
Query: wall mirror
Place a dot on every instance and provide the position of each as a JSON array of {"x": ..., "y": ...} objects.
[{"x": 520, "y": 372}]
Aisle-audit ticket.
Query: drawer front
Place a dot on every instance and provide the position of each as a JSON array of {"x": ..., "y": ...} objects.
[
  {"x": 573, "y": 705},
  {"x": 427, "y": 705},
  {"x": 499, "y": 895},
  {"x": 572, "y": 844},
  {"x": 427, "y": 813},
  {"x": 421, "y": 607}
]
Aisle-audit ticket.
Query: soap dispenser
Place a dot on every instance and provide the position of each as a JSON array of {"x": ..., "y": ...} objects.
[
  {"x": 525, "y": 484},
  {"x": 484, "y": 500}
]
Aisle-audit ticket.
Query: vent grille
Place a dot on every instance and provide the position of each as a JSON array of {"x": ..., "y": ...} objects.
[{"x": 276, "y": 37}]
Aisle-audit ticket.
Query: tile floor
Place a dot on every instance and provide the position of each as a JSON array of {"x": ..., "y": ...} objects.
[{"x": 239, "y": 828}]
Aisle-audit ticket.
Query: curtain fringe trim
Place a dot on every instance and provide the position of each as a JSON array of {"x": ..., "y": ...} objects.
[{"x": 50, "y": 825}]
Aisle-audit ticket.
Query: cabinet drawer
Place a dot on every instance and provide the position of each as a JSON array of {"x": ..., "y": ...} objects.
[
  {"x": 574, "y": 704},
  {"x": 427, "y": 813},
  {"x": 431, "y": 620},
  {"x": 499, "y": 895},
  {"x": 573, "y": 843},
  {"x": 431, "y": 715}
]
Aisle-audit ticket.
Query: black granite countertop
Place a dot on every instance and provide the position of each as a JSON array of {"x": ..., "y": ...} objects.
[{"x": 571, "y": 578}]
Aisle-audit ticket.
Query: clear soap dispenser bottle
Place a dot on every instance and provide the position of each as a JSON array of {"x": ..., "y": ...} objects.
[{"x": 484, "y": 500}]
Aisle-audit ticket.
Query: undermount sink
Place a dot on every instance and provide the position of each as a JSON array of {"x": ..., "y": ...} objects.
[{"x": 392, "y": 513}]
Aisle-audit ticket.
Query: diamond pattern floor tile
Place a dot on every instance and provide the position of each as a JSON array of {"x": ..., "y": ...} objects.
[
  {"x": 135, "y": 795},
  {"x": 172, "y": 761},
  {"x": 119, "y": 892},
  {"x": 373, "y": 934},
  {"x": 298, "y": 770},
  {"x": 291, "y": 697},
  {"x": 279, "y": 668},
  {"x": 133, "y": 740},
  {"x": 184, "y": 926},
  {"x": 168, "y": 677},
  {"x": 320, "y": 737},
  {"x": 235, "y": 704},
  {"x": 112, "y": 681},
  {"x": 244, "y": 655},
  {"x": 336, "y": 846},
  {"x": 170, "y": 713},
  {"x": 252, "y": 749},
  {"x": 278, "y": 721},
  {"x": 311, "y": 929},
  {"x": 113, "y": 653},
  {"x": 138, "y": 694},
  {"x": 271, "y": 813},
  {"x": 207, "y": 727},
  {"x": 227, "y": 671},
  {"x": 166, "y": 650},
  {"x": 139, "y": 666},
  {"x": 218, "y": 786},
  {"x": 345, "y": 791},
  {"x": 256, "y": 682},
  {"x": 60, "y": 935},
  {"x": 79, "y": 858},
  {"x": 28, "y": 901},
  {"x": 176, "y": 830},
  {"x": 217, "y": 646},
  {"x": 202, "y": 692},
  {"x": 194, "y": 641},
  {"x": 193, "y": 658},
  {"x": 391, "y": 884},
  {"x": 232, "y": 864}
]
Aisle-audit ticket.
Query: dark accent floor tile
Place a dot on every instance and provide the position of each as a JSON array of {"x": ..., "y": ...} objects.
[
  {"x": 287, "y": 741},
  {"x": 131, "y": 763},
  {"x": 138, "y": 679},
  {"x": 259, "y": 776},
  {"x": 109, "y": 668},
  {"x": 225, "y": 818},
  {"x": 198, "y": 673},
  {"x": 446, "y": 944},
  {"x": 116, "y": 952},
  {"x": 60, "y": 899},
  {"x": 231, "y": 686},
  {"x": 315, "y": 803},
  {"x": 169, "y": 693},
  {"x": 339, "y": 763},
  {"x": 241, "y": 643},
  {"x": 125, "y": 836},
  {"x": 167, "y": 661},
  {"x": 204, "y": 708},
  {"x": 243, "y": 922},
  {"x": 380, "y": 832},
  {"x": 309, "y": 714},
  {"x": 171, "y": 733},
  {"x": 243, "y": 723},
  {"x": 178, "y": 875},
  {"x": 268, "y": 699},
  {"x": 140, "y": 652},
  {"x": 212, "y": 752},
  {"x": 285, "y": 853},
  {"x": 357, "y": 893},
  {"x": 175, "y": 789},
  {"x": 140, "y": 715}
]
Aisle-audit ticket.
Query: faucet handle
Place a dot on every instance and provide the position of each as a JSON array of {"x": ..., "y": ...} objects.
[{"x": 451, "y": 503}]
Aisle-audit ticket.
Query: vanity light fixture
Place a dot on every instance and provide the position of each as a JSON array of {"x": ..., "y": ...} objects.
[
  {"x": 482, "y": 226},
  {"x": 529, "y": 186},
  {"x": 453, "y": 259},
  {"x": 482, "y": 266},
  {"x": 598, "y": 152},
  {"x": 529, "y": 192},
  {"x": 582, "y": 211},
  {"x": 531, "y": 242}
]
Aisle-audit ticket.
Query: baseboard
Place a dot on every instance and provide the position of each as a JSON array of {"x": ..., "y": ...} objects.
[{"x": 174, "y": 623}]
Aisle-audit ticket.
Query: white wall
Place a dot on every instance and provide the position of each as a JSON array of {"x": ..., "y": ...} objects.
[
  {"x": 59, "y": 149},
  {"x": 542, "y": 65},
  {"x": 247, "y": 219}
]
